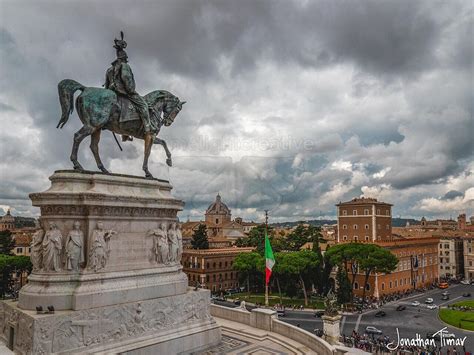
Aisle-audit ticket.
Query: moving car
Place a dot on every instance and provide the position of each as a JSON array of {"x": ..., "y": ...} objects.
[
  {"x": 373, "y": 330},
  {"x": 415, "y": 303},
  {"x": 466, "y": 294},
  {"x": 318, "y": 314},
  {"x": 445, "y": 293},
  {"x": 443, "y": 285},
  {"x": 380, "y": 314},
  {"x": 401, "y": 308},
  {"x": 445, "y": 297},
  {"x": 432, "y": 306},
  {"x": 465, "y": 282},
  {"x": 429, "y": 300},
  {"x": 281, "y": 313}
]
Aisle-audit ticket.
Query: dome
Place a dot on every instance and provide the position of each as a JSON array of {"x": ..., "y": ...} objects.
[{"x": 218, "y": 207}]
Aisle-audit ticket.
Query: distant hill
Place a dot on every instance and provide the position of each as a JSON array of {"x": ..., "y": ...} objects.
[
  {"x": 396, "y": 222},
  {"x": 21, "y": 222}
]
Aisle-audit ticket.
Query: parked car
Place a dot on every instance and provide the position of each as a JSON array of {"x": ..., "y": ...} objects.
[
  {"x": 401, "y": 308},
  {"x": 373, "y": 330},
  {"x": 318, "y": 314},
  {"x": 445, "y": 297},
  {"x": 432, "y": 306},
  {"x": 443, "y": 285},
  {"x": 380, "y": 314},
  {"x": 465, "y": 282},
  {"x": 466, "y": 294},
  {"x": 415, "y": 303},
  {"x": 281, "y": 313},
  {"x": 429, "y": 300}
]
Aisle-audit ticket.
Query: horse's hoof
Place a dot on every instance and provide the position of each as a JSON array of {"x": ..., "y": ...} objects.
[{"x": 169, "y": 162}]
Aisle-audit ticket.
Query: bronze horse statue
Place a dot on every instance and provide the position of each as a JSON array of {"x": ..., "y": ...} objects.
[{"x": 100, "y": 109}]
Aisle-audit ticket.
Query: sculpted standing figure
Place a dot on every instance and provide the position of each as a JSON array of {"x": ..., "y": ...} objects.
[
  {"x": 52, "y": 246},
  {"x": 160, "y": 244},
  {"x": 179, "y": 237},
  {"x": 173, "y": 242},
  {"x": 37, "y": 250},
  {"x": 119, "y": 78},
  {"x": 75, "y": 247},
  {"x": 100, "y": 250}
]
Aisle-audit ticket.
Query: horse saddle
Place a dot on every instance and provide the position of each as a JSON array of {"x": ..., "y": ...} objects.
[{"x": 128, "y": 112}]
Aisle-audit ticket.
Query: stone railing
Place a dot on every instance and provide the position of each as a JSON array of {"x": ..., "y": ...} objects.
[{"x": 267, "y": 319}]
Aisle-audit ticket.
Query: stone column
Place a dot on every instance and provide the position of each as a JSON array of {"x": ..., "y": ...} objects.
[{"x": 331, "y": 329}]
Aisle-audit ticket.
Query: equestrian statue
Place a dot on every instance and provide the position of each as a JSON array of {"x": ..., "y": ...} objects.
[{"x": 118, "y": 108}]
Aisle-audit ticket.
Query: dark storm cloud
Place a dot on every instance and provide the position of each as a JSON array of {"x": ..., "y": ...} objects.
[{"x": 292, "y": 105}]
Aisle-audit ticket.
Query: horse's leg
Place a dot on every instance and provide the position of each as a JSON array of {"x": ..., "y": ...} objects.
[
  {"x": 78, "y": 137},
  {"x": 165, "y": 147},
  {"x": 95, "y": 138},
  {"x": 149, "y": 137}
]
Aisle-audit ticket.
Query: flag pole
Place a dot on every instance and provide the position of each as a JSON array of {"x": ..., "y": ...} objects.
[{"x": 266, "y": 284}]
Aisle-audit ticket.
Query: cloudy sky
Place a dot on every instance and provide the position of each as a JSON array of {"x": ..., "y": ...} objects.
[{"x": 292, "y": 106}]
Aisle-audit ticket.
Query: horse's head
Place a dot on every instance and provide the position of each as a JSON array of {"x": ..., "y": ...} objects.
[{"x": 171, "y": 108}]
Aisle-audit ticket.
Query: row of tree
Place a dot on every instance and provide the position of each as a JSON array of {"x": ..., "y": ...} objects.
[{"x": 10, "y": 265}]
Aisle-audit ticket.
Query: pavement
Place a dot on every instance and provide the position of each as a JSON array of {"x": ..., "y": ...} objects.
[{"x": 409, "y": 322}]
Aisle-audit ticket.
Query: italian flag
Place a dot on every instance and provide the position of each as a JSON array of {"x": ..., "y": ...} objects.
[{"x": 269, "y": 259}]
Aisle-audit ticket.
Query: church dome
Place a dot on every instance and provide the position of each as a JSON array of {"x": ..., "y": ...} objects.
[{"x": 218, "y": 207}]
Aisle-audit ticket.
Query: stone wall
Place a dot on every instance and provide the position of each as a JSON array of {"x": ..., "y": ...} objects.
[{"x": 267, "y": 320}]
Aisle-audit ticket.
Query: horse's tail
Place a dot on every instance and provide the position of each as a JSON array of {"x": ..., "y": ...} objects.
[{"x": 66, "y": 90}]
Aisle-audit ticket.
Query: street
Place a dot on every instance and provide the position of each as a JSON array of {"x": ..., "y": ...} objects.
[{"x": 413, "y": 320}]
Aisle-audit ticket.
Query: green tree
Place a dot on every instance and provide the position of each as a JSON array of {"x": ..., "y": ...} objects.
[
  {"x": 346, "y": 255},
  {"x": 299, "y": 265},
  {"x": 344, "y": 289},
  {"x": 200, "y": 240},
  {"x": 248, "y": 265},
  {"x": 10, "y": 264},
  {"x": 7, "y": 243},
  {"x": 256, "y": 239},
  {"x": 375, "y": 259}
]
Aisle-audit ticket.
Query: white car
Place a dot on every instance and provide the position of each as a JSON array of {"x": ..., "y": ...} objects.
[
  {"x": 429, "y": 301},
  {"x": 465, "y": 282},
  {"x": 432, "y": 306},
  {"x": 415, "y": 304},
  {"x": 373, "y": 330},
  {"x": 448, "y": 335}
]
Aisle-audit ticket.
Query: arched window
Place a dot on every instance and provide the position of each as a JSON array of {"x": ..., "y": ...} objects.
[
  {"x": 217, "y": 220},
  {"x": 354, "y": 212},
  {"x": 354, "y": 226},
  {"x": 367, "y": 287},
  {"x": 383, "y": 286},
  {"x": 207, "y": 265},
  {"x": 366, "y": 226},
  {"x": 356, "y": 285},
  {"x": 344, "y": 226},
  {"x": 356, "y": 238},
  {"x": 344, "y": 237},
  {"x": 214, "y": 265}
]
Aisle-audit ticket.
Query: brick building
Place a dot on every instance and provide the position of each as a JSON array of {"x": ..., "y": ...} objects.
[
  {"x": 212, "y": 268},
  {"x": 366, "y": 220}
]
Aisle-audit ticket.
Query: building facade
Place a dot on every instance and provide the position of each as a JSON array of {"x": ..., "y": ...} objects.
[
  {"x": 364, "y": 220},
  {"x": 212, "y": 268},
  {"x": 7, "y": 222},
  {"x": 468, "y": 250},
  {"x": 451, "y": 258}
]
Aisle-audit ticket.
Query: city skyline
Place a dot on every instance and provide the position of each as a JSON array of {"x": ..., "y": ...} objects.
[{"x": 291, "y": 106}]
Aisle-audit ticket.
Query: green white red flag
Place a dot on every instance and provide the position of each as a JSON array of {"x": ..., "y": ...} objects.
[{"x": 269, "y": 259}]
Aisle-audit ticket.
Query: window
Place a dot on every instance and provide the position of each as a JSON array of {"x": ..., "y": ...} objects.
[
  {"x": 220, "y": 264},
  {"x": 354, "y": 212},
  {"x": 390, "y": 285},
  {"x": 378, "y": 226},
  {"x": 367, "y": 287},
  {"x": 207, "y": 265},
  {"x": 356, "y": 238},
  {"x": 387, "y": 212},
  {"x": 354, "y": 226},
  {"x": 217, "y": 220},
  {"x": 226, "y": 264},
  {"x": 383, "y": 286},
  {"x": 344, "y": 213},
  {"x": 378, "y": 211},
  {"x": 401, "y": 282},
  {"x": 344, "y": 237},
  {"x": 214, "y": 265},
  {"x": 19, "y": 250},
  {"x": 366, "y": 212},
  {"x": 356, "y": 285},
  {"x": 366, "y": 226},
  {"x": 367, "y": 238},
  {"x": 213, "y": 277},
  {"x": 344, "y": 226}
]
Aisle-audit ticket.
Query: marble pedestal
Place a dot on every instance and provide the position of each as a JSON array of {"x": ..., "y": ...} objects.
[
  {"x": 331, "y": 329},
  {"x": 127, "y": 292}
]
